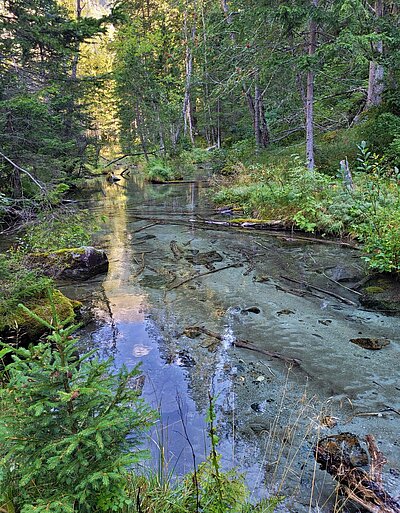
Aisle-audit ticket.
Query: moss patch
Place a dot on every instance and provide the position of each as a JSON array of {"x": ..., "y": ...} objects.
[
  {"x": 373, "y": 290},
  {"x": 29, "y": 327}
]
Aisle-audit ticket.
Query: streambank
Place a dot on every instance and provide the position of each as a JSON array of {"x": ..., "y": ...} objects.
[{"x": 270, "y": 413}]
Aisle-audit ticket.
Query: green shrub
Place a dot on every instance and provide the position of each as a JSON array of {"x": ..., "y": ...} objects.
[
  {"x": 160, "y": 170},
  {"x": 381, "y": 238},
  {"x": 59, "y": 229}
]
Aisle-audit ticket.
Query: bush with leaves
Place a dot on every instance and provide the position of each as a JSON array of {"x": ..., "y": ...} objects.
[
  {"x": 160, "y": 170},
  {"x": 70, "y": 428},
  {"x": 58, "y": 230}
]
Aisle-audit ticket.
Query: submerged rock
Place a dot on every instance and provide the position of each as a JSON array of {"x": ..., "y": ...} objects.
[
  {"x": 71, "y": 263},
  {"x": 345, "y": 274},
  {"x": 382, "y": 293},
  {"x": 373, "y": 344}
]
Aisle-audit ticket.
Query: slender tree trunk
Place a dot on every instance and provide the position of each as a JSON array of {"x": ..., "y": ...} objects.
[
  {"x": 16, "y": 184},
  {"x": 218, "y": 135},
  {"x": 160, "y": 127},
  {"x": 265, "y": 138},
  {"x": 139, "y": 127},
  {"x": 312, "y": 46},
  {"x": 260, "y": 121},
  {"x": 78, "y": 13},
  {"x": 257, "y": 112},
  {"x": 73, "y": 79},
  {"x": 186, "y": 109},
  {"x": 228, "y": 17},
  {"x": 376, "y": 71},
  {"x": 208, "y": 120},
  {"x": 257, "y": 129}
]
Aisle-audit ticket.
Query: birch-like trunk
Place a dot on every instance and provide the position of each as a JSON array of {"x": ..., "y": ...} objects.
[
  {"x": 312, "y": 46},
  {"x": 376, "y": 71},
  {"x": 186, "y": 108}
]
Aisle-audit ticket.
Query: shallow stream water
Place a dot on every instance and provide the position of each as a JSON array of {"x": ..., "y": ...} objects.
[{"x": 269, "y": 413}]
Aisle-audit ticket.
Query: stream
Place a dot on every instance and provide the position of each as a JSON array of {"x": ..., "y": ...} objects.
[{"x": 269, "y": 413}]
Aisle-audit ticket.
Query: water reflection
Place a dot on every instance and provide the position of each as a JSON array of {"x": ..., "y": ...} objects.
[{"x": 125, "y": 328}]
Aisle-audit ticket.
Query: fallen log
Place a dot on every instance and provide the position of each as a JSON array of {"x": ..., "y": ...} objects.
[
  {"x": 271, "y": 230},
  {"x": 204, "y": 274},
  {"x": 244, "y": 344},
  {"x": 323, "y": 291},
  {"x": 343, "y": 458}
]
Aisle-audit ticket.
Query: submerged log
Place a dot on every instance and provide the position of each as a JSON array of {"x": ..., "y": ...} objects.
[
  {"x": 343, "y": 458},
  {"x": 194, "y": 331}
]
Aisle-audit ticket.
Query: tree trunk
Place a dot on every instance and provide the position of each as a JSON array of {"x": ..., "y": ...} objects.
[
  {"x": 74, "y": 70},
  {"x": 257, "y": 130},
  {"x": 257, "y": 112},
  {"x": 376, "y": 71},
  {"x": 186, "y": 109},
  {"x": 312, "y": 46},
  {"x": 139, "y": 128},
  {"x": 73, "y": 78},
  {"x": 260, "y": 123},
  {"x": 208, "y": 119}
]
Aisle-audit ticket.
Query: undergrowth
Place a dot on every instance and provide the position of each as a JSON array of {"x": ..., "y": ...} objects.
[
  {"x": 318, "y": 202},
  {"x": 58, "y": 229},
  {"x": 160, "y": 170},
  {"x": 52, "y": 230}
]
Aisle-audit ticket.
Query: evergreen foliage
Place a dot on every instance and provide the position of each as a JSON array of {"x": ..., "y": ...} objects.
[
  {"x": 42, "y": 119},
  {"x": 70, "y": 428}
]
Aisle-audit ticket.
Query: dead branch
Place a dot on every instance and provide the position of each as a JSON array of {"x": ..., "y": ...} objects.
[
  {"x": 378, "y": 460},
  {"x": 203, "y": 274},
  {"x": 145, "y": 227},
  {"x": 129, "y": 155},
  {"x": 323, "y": 291},
  {"x": 34, "y": 180},
  {"x": 244, "y": 344},
  {"x": 271, "y": 229},
  {"x": 141, "y": 268},
  {"x": 341, "y": 285},
  {"x": 361, "y": 487}
]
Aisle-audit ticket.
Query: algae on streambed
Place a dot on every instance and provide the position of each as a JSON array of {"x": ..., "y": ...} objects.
[{"x": 269, "y": 416}]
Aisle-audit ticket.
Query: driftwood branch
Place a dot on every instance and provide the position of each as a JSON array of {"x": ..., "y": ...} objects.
[
  {"x": 203, "y": 274},
  {"x": 129, "y": 155},
  {"x": 145, "y": 227},
  {"x": 323, "y": 291},
  {"x": 271, "y": 227},
  {"x": 247, "y": 345},
  {"x": 358, "y": 485},
  {"x": 34, "y": 180},
  {"x": 378, "y": 460}
]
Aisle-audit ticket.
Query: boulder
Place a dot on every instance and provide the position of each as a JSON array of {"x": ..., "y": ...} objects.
[{"x": 72, "y": 263}]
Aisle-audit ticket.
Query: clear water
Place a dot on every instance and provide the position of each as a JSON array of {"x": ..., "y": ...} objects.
[{"x": 269, "y": 415}]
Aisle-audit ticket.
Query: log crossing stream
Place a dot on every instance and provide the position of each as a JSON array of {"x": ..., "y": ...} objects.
[{"x": 184, "y": 299}]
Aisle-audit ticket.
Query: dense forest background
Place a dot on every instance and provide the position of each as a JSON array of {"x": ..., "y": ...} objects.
[
  {"x": 292, "y": 108},
  {"x": 157, "y": 76}
]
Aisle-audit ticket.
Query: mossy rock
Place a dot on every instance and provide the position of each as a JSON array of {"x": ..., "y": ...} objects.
[
  {"x": 28, "y": 328},
  {"x": 71, "y": 263},
  {"x": 382, "y": 294}
]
